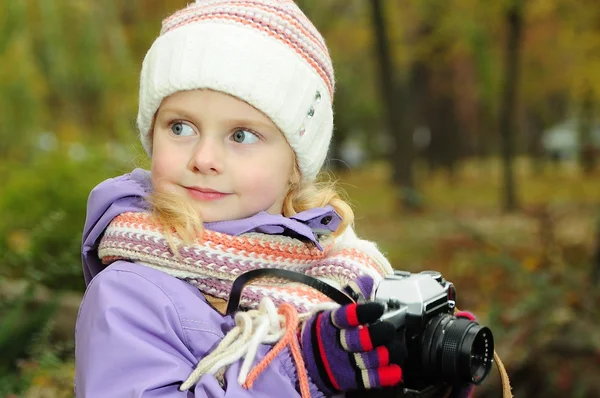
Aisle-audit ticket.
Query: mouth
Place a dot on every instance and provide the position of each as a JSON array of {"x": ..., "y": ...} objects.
[{"x": 205, "y": 194}]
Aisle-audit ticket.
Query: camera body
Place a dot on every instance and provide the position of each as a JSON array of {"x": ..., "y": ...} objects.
[
  {"x": 441, "y": 348},
  {"x": 414, "y": 298}
]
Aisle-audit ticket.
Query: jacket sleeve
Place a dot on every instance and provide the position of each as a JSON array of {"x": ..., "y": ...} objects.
[{"x": 130, "y": 342}]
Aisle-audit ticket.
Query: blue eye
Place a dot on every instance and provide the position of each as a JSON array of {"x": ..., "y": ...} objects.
[
  {"x": 242, "y": 136},
  {"x": 181, "y": 129}
]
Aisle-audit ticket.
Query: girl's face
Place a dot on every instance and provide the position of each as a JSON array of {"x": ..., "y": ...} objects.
[{"x": 224, "y": 155}]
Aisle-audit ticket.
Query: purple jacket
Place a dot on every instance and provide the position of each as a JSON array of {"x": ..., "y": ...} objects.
[{"x": 141, "y": 332}]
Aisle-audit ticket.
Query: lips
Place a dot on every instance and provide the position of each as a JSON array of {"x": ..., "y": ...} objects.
[{"x": 206, "y": 193}]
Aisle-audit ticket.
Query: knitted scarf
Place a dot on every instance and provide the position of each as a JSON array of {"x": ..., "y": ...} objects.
[{"x": 213, "y": 262}]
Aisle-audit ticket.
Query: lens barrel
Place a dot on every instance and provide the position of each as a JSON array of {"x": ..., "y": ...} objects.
[{"x": 458, "y": 349}]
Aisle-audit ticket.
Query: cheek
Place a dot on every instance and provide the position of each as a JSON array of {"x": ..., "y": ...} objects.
[
  {"x": 159, "y": 171},
  {"x": 268, "y": 179},
  {"x": 166, "y": 164}
]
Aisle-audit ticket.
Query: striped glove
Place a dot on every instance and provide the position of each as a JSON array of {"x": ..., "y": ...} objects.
[{"x": 348, "y": 349}]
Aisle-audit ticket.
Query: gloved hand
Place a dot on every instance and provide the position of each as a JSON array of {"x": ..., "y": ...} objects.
[{"x": 348, "y": 349}]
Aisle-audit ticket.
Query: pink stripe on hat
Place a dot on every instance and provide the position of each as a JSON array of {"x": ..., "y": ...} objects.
[{"x": 284, "y": 22}]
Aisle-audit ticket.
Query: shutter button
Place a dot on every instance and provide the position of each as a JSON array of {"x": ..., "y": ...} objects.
[{"x": 326, "y": 220}]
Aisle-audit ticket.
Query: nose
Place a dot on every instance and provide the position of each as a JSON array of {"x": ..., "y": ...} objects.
[{"x": 207, "y": 157}]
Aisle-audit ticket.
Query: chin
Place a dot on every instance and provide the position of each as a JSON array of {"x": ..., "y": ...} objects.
[{"x": 211, "y": 217}]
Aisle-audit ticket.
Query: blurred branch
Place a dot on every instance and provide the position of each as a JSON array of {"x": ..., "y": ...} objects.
[
  {"x": 596, "y": 258},
  {"x": 514, "y": 23}
]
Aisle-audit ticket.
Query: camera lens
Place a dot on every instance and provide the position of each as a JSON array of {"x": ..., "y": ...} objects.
[{"x": 458, "y": 349}]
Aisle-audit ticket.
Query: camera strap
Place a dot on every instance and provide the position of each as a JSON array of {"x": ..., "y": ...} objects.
[
  {"x": 506, "y": 389},
  {"x": 238, "y": 285}
]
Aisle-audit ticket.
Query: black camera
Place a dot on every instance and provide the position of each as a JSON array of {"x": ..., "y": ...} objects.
[{"x": 441, "y": 348}]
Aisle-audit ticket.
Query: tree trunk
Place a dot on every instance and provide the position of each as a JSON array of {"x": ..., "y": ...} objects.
[
  {"x": 445, "y": 131},
  {"x": 514, "y": 22},
  {"x": 335, "y": 161},
  {"x": 399, "y": 127},
  {"x": 433, "y": 89},
  {"x": 596, "y": 256}
]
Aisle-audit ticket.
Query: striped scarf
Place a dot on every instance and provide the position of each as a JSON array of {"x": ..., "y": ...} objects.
[{"x": 212, "y": 263}]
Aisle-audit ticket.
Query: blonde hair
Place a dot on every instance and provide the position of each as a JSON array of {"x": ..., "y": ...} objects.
[
  {"x": 179, "y": 218},
  {"x": 309, "y": 195}
]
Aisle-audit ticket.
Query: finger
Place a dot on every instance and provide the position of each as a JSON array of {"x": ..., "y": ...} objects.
[
  {"x": 373, "y": 359},
  {"x": 353, "y": 315},
  {"x": 394, "y": 353},
  {"x": 385, "y": 376},
  {"x": 397, "y": 352},
  {"x": 361, "y": 339}
]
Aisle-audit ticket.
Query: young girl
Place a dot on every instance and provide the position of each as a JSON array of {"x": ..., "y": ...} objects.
[{"x": 235, "y": 111}]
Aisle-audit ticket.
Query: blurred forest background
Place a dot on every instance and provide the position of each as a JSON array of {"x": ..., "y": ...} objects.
[{"x": 467, "y": 138}]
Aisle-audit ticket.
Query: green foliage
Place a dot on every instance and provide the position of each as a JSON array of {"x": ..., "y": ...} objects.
[
  {"x": 21, "y": 328},
  {"x": 73, "y": 73},
  {"x": 43, "y": 207},
  {"x": 47, "y": 373}
]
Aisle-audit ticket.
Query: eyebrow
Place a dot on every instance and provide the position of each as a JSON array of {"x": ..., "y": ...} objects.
[{"x": 182, "y": 114}]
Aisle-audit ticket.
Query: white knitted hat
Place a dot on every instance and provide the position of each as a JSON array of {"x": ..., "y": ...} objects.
[{"x": 264, "y": 52}]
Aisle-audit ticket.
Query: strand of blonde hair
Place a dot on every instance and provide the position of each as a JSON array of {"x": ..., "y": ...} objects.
[
  {"x": 310, "y": 195},
  {"x": 180, "y": 221}
]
